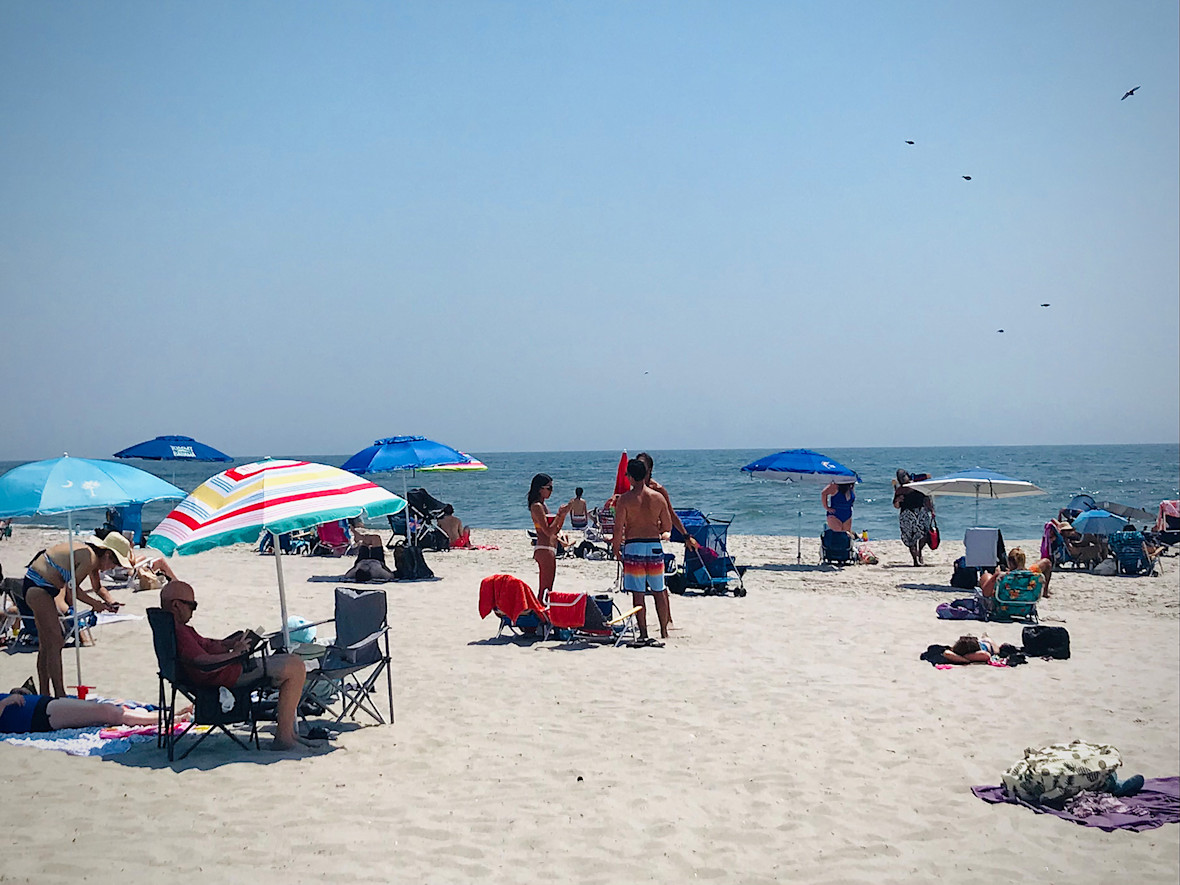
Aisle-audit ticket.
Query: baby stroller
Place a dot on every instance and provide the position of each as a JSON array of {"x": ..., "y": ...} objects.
[
  {"x": 708, "y": 567},
  {"x": 424, "y": 511}
]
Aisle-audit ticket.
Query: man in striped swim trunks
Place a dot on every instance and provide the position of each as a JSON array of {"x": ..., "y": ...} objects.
[{"x": 641, "y": 517}]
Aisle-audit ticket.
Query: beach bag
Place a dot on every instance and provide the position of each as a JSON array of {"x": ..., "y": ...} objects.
[
  {"x": 1107, "y": 568},
  {"x": 933, "y": 538},
  {"x": 1043, "y": 641},
  {"x": 411, "y": 565},
  {"x": 1058, "y": 772},
  {"x": 965, "y": 577},
  {"x": 961, "y": 610}
]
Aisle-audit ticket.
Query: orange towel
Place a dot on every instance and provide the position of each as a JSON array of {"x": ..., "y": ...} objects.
[{"x": 508, "y": 595}]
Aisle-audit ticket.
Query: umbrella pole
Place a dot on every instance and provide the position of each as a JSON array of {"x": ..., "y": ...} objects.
[
  {"x": 799, "y": 539},
  {"x": 406, "y": 495},
  {"x": 74, "y": 591},
  {"x": 282, "y": 590}
]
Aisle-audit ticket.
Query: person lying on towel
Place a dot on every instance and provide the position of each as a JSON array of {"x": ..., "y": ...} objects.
[{"x": 22, "y": 712}]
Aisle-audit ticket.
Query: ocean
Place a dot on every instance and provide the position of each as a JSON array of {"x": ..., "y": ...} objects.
[{"x": 710, "y": 480}]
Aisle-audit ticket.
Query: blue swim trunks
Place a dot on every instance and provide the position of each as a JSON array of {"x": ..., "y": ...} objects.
[{"x": 643, "y": 566}]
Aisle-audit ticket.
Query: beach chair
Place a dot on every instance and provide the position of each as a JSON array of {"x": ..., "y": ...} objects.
[
  {"x": 709, "y": 567},
  {"x": 1017, "y": 595},
  {"x": 356, "y": 659},
  {"x": 1130, "y": 554},
  {"x": 332, "y": 539},
  {"x": 206, "y": 700},
  {"x": 516, "y": 605},
  {"x": 984, "y": 548},
  {"x": 836, "y": 548}
]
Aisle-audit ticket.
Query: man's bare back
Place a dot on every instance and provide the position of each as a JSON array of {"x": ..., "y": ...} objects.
[{"x": 641, "y": 513}]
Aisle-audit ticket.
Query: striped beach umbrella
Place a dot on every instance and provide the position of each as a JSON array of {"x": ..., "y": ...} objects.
[
  {"x": 457, "y": 466},
  {"x": 238, "y": 504}
]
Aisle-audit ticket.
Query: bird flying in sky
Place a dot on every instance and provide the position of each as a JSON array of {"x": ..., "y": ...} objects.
[
  {"x": 1001, "y": 331},
  {"x": 907, "y": 141},
  {"x": 1129, "y": 93},
  {"x": 966, "y": 178},
  {"x": 1045, "y": 304}
]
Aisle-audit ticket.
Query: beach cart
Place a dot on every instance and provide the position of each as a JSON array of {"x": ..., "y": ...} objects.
[{"x": 708, "y": 568}]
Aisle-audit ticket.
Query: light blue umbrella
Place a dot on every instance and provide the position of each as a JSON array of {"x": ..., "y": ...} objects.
[
  {"x": 63, "y": 485},
  {"x": 1099, "y": 522}
]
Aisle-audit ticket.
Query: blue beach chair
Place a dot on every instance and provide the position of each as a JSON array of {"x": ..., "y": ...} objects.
[
  {"x": 1130, "y": 554},
  {"x": 708, "y": 568}
]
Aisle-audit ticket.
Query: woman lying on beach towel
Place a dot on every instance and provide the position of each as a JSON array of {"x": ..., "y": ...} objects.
[
  {"x": 973, "y": 650},
  {"x": 22, "y": 712}
]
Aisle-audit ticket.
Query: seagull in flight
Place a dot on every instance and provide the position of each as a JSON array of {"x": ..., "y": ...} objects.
[
  {"x": 1000, "y": 331},
  {"x": 907, "y": 141},
  {"x": 966, "y": 178},
  {"x": 1129, "y": 93},
  {"x": 1045, "y": 304}
]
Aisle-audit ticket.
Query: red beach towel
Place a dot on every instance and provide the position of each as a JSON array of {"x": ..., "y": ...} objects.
[
  {"x": 508, "y": 595},
  {"x": 567, "y": 609}
]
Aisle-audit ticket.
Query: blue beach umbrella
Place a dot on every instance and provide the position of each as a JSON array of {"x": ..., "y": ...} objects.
[
  {"x": 800, "y": 466},
  {"x": 404, "y": 453},
  {"x": 173, "y": 448},
  {"x": 1099, "y": 522},
  {"x": 63, "y": 485}
]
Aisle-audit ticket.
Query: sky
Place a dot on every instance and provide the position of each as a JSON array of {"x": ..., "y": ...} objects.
[{"x": 297, "y": 227}]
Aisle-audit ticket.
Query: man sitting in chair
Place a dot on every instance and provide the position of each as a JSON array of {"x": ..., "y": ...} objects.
[{"x": 196, "y": 655}]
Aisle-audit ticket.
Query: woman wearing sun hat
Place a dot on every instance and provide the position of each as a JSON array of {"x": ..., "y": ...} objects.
[{"x": 47, "y": 595}]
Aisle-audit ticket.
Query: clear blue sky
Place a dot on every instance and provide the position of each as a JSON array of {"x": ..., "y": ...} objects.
[{"x": 295, "y": 227}]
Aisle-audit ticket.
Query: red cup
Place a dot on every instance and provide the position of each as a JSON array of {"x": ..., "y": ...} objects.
[{"x": 83, "y": 690}]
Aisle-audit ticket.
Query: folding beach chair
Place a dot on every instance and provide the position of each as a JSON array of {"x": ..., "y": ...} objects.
[
  {"x": 836, "y": 548},
  {"x": 331, "y": 540},
  {"x": 1017, "y": 595},
  {"x": 423, "y": 511},
  {"x": 357, "y": 657},
  {"x": 516, "y": 605},
  {"x": 985, "y": 548},
  {"x": 1130, "y": 553},
  {"x": 208, "y": 708}
]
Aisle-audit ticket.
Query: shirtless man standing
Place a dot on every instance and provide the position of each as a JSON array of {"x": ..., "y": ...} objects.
[{"x": 641, "y": 517}]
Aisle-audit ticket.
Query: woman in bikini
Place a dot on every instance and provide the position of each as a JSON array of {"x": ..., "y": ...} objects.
[
  {"x": 48, "y": 577},
  {"x": 22, "y": 712},
  {"x": 548, "y": 527}
]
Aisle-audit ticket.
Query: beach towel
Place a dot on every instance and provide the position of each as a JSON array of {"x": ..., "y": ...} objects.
[
  {"x": 508, "y": 595},
  {"x": 567, "y": 609},
  {"x": 81, "y": 741},
  {"x": 1158, "y": 803}
]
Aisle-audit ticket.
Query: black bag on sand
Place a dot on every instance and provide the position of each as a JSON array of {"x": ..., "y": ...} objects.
[
  {"x": 411, "y": 565},
  {"x": 1042, "y": 641},
  {"x": 965, "y": 577}
]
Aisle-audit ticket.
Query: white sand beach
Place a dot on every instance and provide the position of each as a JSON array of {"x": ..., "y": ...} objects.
[{"x": 792, "y": 735}]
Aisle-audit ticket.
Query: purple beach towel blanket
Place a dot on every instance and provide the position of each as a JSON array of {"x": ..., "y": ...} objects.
[{"x": 1158, "y": 803}]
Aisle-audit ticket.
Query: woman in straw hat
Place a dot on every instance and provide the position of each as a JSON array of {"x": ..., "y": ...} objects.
[{"x": 47, "y": 581}]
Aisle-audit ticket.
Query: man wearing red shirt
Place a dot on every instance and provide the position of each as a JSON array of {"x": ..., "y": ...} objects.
[{"x": 198, "y": 658}]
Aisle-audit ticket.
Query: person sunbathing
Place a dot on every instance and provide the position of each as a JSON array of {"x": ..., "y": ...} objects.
[
  {"x": 1016, "y": 561},
  {"x": 971, "y": 650},
  {"x": 458, "y": 534},
  {"x": 22, "y": 712}
]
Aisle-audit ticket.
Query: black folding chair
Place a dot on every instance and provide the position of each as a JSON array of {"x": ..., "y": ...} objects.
[
  {"x": 356, "y": 658},
  {"x": 206, "y": 700}
]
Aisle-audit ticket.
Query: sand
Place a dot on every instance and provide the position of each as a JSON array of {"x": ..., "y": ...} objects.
[{"x": 789, "y": 735}]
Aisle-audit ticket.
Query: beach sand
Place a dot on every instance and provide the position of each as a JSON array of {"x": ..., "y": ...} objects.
[{"x": 789, "y": 735}]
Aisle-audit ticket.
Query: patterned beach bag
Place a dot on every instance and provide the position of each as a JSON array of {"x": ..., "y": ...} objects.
[{"x": 1060, "y": 771}]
